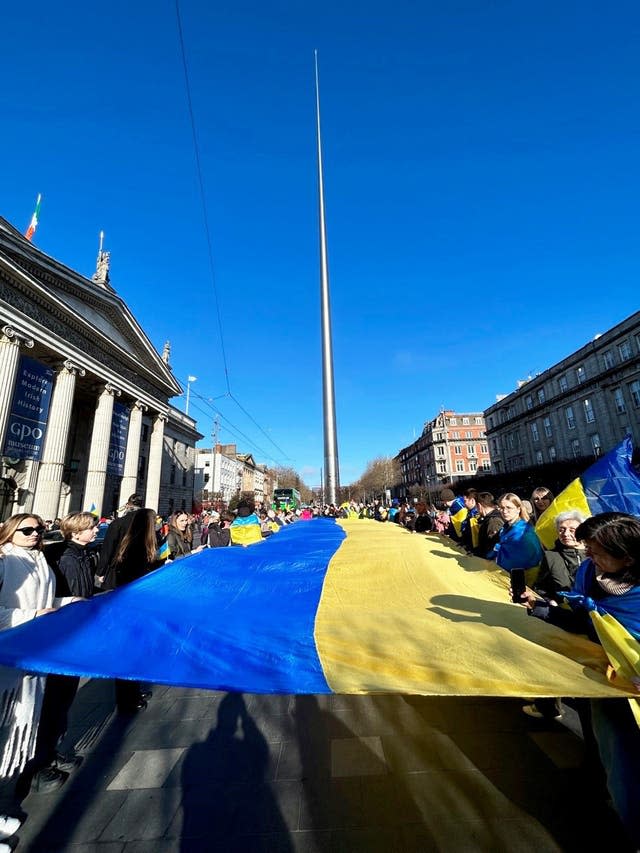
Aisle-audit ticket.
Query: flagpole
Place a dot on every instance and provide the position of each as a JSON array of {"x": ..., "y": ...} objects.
[{"x": 331, "y": 466}]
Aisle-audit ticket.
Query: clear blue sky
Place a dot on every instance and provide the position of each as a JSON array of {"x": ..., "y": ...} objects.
[{"x": 482, "y": 180}]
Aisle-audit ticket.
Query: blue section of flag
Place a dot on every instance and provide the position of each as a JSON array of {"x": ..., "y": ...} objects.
[
  {"x": 237, "y": 619},
  {"x": 612, "y": 484}
]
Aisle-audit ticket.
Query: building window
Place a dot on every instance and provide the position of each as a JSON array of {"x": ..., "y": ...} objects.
[
  {"x": 534, "y": 432},
  {"x": 571, "y": 421},
  {"x": 541, "y": 397},
  {"x": 172, "y": 476},
  {"x": 457, "y": 449},
  {"x": 453, "y": 422},
  {"x": 440, "y": 450},
  {"x": 528, "y": 401},
  {"x": 478, "y": 421},
  {"x": 465, "y": 422},
  {"x": 589, "y": 415},
  {"x": 618, "y": 396},
  {"x": 548, "y": 431},
  {"x": 607, "y": 359},
  {"x": 459, "y": 465},
  {"x": 494, "y": 445},
  {"x": 539, "y": 458},
  {"x": 484, "y": 448},
  {"x": 145, "y": 432},
  {"x": 552, "y": 454},
  {"x": 580, "y": 375},
  {"x": 472, "y": 465},
  {"x": 456, "y": 435},
  {"x": 486, "y": 465},
  {"x": 184, "y": 477},
  {"x": 442, "y": 468},
  {"x": 206, "y": 478},
  {"x": 595, "y": 444},
  {"x": 575, "y": 447},
  {"x": 624, "y": 350},
  {"x": 142, "y": 465},
  {"x": 634, "y": 388},
  {"x": 563, "y": 385},
  {"x": 490, "y": 423},
  {"x": 468, "y": 434},
  {"x": 471, "y": 450}
]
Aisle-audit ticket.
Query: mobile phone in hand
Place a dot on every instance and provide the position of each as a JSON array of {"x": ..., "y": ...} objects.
[{"x": 518, "y": 585}]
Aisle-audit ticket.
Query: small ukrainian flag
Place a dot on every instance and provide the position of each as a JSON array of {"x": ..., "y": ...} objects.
[
  {"x": 93, "y": 509},
  {"x": 163, "y": 551}
]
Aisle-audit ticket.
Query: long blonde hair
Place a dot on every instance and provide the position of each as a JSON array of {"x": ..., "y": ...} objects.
[
  {"x": 516, "y": 501},
  {"x": 8, "y": 529}
]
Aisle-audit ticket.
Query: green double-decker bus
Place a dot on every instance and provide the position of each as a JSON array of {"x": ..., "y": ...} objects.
[{"x": 286, "y": 499}]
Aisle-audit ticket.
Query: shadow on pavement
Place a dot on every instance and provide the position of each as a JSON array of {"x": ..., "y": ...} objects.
[{"x": 226, "y": 796}]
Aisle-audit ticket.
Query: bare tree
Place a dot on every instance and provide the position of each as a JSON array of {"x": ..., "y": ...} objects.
[{"x": 380, "y": 474}]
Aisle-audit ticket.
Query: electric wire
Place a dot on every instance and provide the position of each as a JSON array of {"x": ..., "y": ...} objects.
[
  {"x": 235, "y": 429},
  {"x": 203, "y": 202},
  {"x": 205, "y": 216}
]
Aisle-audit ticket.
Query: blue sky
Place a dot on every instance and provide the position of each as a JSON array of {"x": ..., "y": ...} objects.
[{"x": 481, "y": 180}]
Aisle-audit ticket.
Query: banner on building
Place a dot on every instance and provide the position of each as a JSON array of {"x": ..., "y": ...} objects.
[
  {"x": 29, "y": 410},
  {"x": 118, "y": 440}
]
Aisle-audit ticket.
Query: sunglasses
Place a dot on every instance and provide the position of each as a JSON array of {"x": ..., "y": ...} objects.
[{"x": 27, "y": 531}]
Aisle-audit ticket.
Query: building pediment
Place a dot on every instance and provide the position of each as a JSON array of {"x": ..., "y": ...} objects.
[{"x": 56, "y": 297}]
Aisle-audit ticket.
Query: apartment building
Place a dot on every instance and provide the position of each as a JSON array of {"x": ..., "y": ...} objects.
[{"x": 578, "y": 408}]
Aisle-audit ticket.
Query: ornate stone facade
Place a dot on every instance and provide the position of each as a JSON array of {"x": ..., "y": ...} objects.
[{"x": 104, "y": 368}]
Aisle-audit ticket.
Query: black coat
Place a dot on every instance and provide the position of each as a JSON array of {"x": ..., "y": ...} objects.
[
  {"x": 74, "y": 575},
  {"x": 135, "y": 563}
]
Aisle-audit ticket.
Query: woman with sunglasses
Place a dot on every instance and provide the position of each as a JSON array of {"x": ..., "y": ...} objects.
[
  {"x": 541, "y": 499},
  {"x": 27, "y": 590}
]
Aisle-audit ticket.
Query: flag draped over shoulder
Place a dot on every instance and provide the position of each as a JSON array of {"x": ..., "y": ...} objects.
[
  {"x": 609, "y": 485},
  {"x": 345, "y": 607}
]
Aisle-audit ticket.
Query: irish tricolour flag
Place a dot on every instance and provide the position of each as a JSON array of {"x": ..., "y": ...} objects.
[{"x": 31, "y": 230}]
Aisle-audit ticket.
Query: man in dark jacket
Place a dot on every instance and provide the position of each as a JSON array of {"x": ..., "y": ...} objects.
[{"x": 489, "y": 525}]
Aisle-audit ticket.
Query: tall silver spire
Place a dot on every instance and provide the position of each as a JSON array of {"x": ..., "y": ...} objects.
[{"x": 331, "y": 466}]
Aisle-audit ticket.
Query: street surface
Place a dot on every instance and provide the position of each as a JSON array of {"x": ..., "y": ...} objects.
[{"x": 202, "y": 771}]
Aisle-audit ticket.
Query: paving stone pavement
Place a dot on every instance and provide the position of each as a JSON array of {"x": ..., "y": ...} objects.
[{"x": 202, "y": 771}]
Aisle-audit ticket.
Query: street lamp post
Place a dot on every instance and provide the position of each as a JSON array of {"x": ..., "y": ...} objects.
[{"x": 190, "y": 379}]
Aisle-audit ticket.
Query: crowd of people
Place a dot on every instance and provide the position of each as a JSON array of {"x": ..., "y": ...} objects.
[{"x": 594, "y": 563}]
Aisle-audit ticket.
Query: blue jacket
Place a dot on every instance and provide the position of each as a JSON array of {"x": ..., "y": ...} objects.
[{"x": 518, "y": 547}]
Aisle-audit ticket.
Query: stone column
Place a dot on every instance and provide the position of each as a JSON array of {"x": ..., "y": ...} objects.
[
  {"x": 99, "y": 451},
  {"x": 154, "y": 471},
  {"x": 51, "y": 467},
  {"x": 10, "y": 342},
  {"x": 132, "y": 456}
]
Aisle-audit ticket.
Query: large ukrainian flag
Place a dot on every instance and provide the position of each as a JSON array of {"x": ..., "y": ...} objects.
[
  {"x": 610, "y": 485},
  {"x": 349, "y": 607}
]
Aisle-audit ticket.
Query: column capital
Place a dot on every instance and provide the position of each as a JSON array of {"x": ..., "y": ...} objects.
[
  {"x": 111, "y": 389},
  {"x": 161, "y": 416},
  {"x": 72, "y": 367},
  {"x": 140, "y": 405},
  {"x": 17, "y": 337}
]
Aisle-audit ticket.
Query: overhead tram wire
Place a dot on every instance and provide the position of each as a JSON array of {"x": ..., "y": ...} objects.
[
  {"x": 233, "y": 431},
  {"x": 233, "y": 428},
  {"x": 253, "y": 420},
  {"x": 205, "y": 218}
]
